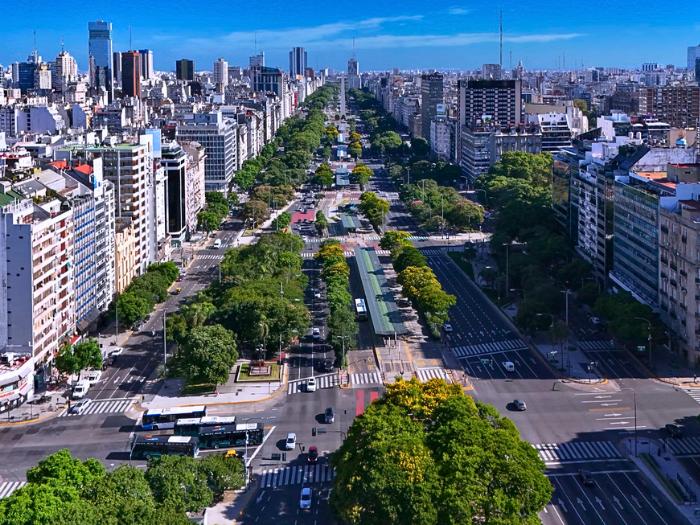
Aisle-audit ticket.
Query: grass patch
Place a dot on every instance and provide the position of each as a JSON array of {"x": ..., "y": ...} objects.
[
  {"x": 463, "y": 263},
  {"x": 243, "y": 375},
  {"x": 199, "y": 389}
]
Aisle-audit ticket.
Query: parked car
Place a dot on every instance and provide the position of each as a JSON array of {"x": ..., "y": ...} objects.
[
  {"x": 78, "y": 407},
  {"x": 305, "y": 498},
  {"x": 311, "y": 384},
  {"x": 291, "y": 442},
  {"x": 312, "y": 456},
  {"x": 329, "y": 415},
  {"x": 509, "y": 366}
]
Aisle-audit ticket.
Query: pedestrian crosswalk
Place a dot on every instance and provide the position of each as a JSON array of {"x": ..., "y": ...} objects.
[
  {"x": 426, "y": 374},
  {"x": 597, "y": 345},
  {"x": 694, "y": 393},
  {"x": 365, "y": 378},
  {"x": 296, "y": 475},
  {"x": 346, "y": 253},
  {"x": 106, "y": 406},
  {"x": 210, "y": 256},
  {"x": 688, "y": 446},
  {"x": 577, "y": 451},
  {"x": 432, "y": 251},
  {"x": 8, "y": 487},
  {"x": 495, "y": 347},
  {"x": 324, "y": 381}
]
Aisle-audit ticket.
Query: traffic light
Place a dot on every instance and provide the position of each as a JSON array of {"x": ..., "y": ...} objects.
[{"x": 313, "y": 431}]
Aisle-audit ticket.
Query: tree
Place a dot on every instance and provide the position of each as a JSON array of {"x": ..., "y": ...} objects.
[
  {"x": 361, "y": 174},
  {"x": 208, "y": 221},
  {"x": 406, "y": 256},
  {"x": 178, "y": 483},
  {"x": 208, "y": 354},
  {"x": 393, "y": 239},
  {"x": 355, "y": 150},
  {"x": 255, "y": 210},
  {"x": 419, "y": 147},
  {"x": 374, "y": 208},
  {"x": 324, "y": 176},
  {"x": 321, "y": 222},
  {"x": 73, "y": 359},
  {"x": 282, "y": 221},
  {"x": 427, "y": 453},
  {"x": 222, "y": 472},
  {"x": 63, "y": 469},
  {"x": 132, "y": 308},
  {"x": 465, "y": 215}
]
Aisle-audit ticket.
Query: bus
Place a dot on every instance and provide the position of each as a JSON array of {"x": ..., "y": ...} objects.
[
  {"x": 193, "y": 426},
  {"x": 150, "y": 446},
  {"x": 360, "y": 309},
  {"x": 160, "y": 418},
  {"x": 224, "y": 436}
]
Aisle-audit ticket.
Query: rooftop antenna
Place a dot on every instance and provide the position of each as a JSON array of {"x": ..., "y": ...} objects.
[
  {"x": 500, "y": 31},
  {"x": 35, "y": 52},
  {"x": 255, "y": 41},
  {"x": 130, "y": 45},
  {"x": 63, "y": 47}
]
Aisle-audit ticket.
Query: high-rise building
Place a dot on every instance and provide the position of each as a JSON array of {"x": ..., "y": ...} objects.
[
  {"x": 491, "y": 71},
  {"x": 147, "y": 72},
  {"x": 42, "y": 77},
  {"x": 184, "y": 70},
  {"x": 117, "y": 68},
  {"x": 218, "y": 136},
  {"x": 185, "y": 187},
  {"x": 297, "y": 62},
  {"x": 497, "y": 102},
  {"x": 354, "y": 81},
  {"x": 131, "y": 74},
  {"x": 693, "y": 56},
  {"x": 678, "y": 106},
  {"x": 268, "y": 79},
  {"x": 432, "y": 94},
  {"x": 257, "y": 60},
  {"x": 100, "y": 49},
  {"x": 27, "y": 72},
  {"x": 220, "y": 74},
  {"x": 65, "y": 70}
]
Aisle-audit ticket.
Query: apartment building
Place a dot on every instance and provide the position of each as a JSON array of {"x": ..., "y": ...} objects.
[
  {"x": 184, "y": 171},
  {"x": 678, "y": 106}
]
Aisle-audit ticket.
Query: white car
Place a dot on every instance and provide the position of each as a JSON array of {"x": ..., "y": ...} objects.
[
  {"x": 78, "y": 407},
  {"x": 447, "y": 327},
  {"x": 311, "y": 384},
  {"x": 316, "y": 333},
  {"x": 509, "y": 366},
  {"x": 291, "y": 441},
  {"x": 305, "y": 498},
  {"x": 80, "y": 389},
  {"x": 91, "y": 376}
]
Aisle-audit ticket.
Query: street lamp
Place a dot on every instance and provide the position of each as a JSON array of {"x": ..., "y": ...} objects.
[
  {"x": 648, "y": 322},
  {"x": 634, "y": 399}
]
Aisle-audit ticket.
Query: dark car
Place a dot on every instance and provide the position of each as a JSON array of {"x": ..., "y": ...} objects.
[
  {"x": 327, "y": 365},
  {"x": 312, "y": 457},
  {"x": 673, "y": 431},
  {"x": 586, "y": 478},
  {"x": 329, "y": 415}
]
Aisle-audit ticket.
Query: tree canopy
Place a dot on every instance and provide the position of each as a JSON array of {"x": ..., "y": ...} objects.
[
  {"x": 71, "y": 359},
  {"x": 427, "y": 453}
]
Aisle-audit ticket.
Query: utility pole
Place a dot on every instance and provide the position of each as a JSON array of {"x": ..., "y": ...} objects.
[
  {"x": 165, "y": 341},
  {"x": 566, "y": 317}
]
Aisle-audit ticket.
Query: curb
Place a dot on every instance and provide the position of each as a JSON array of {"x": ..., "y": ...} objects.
[
  {"x": 32, "y": 421},
  {"x": 656, "y": 377}
]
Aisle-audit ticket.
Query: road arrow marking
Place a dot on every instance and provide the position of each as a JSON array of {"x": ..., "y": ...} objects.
[
  {"x": 562, "y": 505},
  {"x": 617, "y": 501},
  {"x": 636, "y": 501},
  {"x": 608, "y": 404},
  {"x": 580, "y": 502},
  {"x": 619, "y": 422},
  {"x": 612, "y": 415},
  {"x": 600, "y": 502}
]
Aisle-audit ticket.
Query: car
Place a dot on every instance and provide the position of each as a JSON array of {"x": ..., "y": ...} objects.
[
  {"x": 673, "y": 430},
  {"x": 291, "y": 441},
  {"x": 80, "y": 389},
  {"x": 509, "y": 366},
  {"x": 447, "y": 327},
  {"x": 311, "y": 384},
  {"x": 329, "y": 415},
  {"x": 312, "y": 456},
  {"x": 217, "y": 244},
  {"x": 326, "y": 365},
  {"x": 316, "y": 332},
  {"x": 90, "y": 376},
  {"x": 305, "y": 498},
  {"x": 595, "y": 320},
  {"x": 79, "y": 406},
  {"x": 586, "y": 478},
  {"x": 519, "y": 405}
]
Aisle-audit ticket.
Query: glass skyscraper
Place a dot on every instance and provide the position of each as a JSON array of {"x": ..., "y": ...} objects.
[{"x": 100, "y": 49}]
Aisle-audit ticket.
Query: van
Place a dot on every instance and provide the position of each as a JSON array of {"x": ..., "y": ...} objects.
[
  {"x": 509, "y": 366},
  {"x": 217, "y": 244},
  {"x": 80, "y": 389},
  {"x": 90, "y": 376}
]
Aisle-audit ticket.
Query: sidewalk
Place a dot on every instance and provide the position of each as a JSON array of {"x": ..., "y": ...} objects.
[
  {"x": 32, "y": 412},
  {"x": 666, "y": 473},
  {"x": 230, "y": 510}
]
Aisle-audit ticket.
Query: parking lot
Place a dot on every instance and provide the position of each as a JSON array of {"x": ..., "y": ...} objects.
[{"x": 621, "y": 496}]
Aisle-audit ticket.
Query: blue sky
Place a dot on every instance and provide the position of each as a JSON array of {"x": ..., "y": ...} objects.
[{"x": 406, "y": 34}]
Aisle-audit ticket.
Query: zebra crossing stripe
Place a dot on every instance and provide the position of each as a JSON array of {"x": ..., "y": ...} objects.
[
  {"x": 284, "y": 476},
  {"x": 494, "y": 347},
  {"x": 578, "y": 450},
  {"x": 325, "y": 381},
  {"x": 102, "y": 407},
  {"x": 8, "y": 487},
  {"x": 365, "y": 378},
  {"x": 686, "y": 446}
]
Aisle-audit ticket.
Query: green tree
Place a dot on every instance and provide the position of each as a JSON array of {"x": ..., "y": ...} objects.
[
  {"x": 222, "y": 472},
  {"x": 324, "y": 176},
  {"x": 73, "y": 359},
  {"x": 178, "y": 483},
  {"x": 132, "y": 308},
  {"x": 47, "y": 504},
  {"x": 406, "y": 256},
  {"x": 321, "y": 222},
  {"x": 374, "y": 208},
  {"x": 208, "y": 354},
  {"x": 419, "y": 147},
  {"x": 256, "y": 211},
  {"x": 393, "y": 239},
  {"x": 63, "y": 469},
  {"x": 361, "y": 174},
  {"x": 208, "y": 221},
  {"x": 355, "y": 150},
  {"x": 282, "y": 221}
]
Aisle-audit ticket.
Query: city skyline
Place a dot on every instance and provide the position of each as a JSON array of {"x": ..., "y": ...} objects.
[{"x": 452, "y": 35}]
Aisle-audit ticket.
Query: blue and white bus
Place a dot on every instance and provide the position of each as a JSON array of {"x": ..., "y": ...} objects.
[
  {"x": 193, "y": 426},
  {"x": 163, "y": 418},
  {"x": 360, "y": 309}
]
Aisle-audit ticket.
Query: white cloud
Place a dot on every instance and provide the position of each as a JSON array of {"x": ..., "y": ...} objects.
[{"x": 458, "y": 11}]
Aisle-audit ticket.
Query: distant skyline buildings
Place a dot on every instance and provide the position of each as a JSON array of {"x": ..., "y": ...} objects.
[
  {"x": 297, "y": 62},
  {"x": 100, "y": 49}
]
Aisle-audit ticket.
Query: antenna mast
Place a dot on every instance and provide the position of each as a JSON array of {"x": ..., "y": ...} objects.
[
  {"x": 131, "y": 47},
  {"x": 500, "y": 31}
]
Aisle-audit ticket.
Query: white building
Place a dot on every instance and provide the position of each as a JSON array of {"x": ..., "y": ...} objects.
[{"x": 220, "y": 75}]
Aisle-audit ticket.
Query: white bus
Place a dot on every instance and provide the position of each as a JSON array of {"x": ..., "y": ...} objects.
[{"x": 360, "y": 309}]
